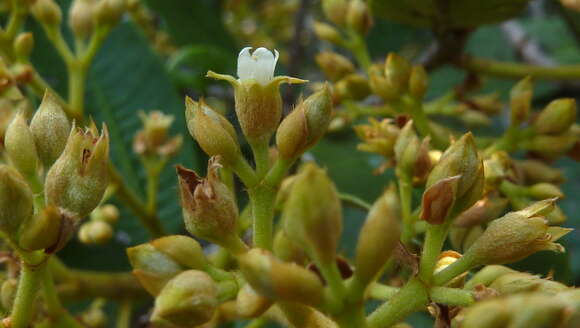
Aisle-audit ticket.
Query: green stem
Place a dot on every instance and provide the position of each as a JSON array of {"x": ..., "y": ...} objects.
[
  {"x": 421, "y": 121},
  {"x": 382, "y": 292},
  {"x": 519, "y": 70},
  {"x": 411, "y": 298},
  {"x": 405, "y": 191},
  {"x": 124, "y": 316},
  {"x": 508, "y": 142},
  {"x": 22, "y": 310},
  {"x": 451, "y": 296},
  {"x": 261, "y": 157},
  {"x": 336, "y": 289},
  {"x": 262, "y": 199},
  {"x": 257, "y": 323},
  {"x": 354, "y": 201},
  {"x": 16, "y": 20},
  {"x": 55, "y": 310},
  {"x": 77, "y": 74},
  {"x": 434, "y": 239},
  {"x": 357, "y": 45},
  {"x": 455, "y": 269}
]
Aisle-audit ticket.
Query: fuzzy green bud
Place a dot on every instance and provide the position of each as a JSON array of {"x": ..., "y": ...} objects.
[
  {"x": 545, "y": 190},
  {"x": 487, "y": 275},
  {"x": 335, "y": 10},
  {"x": 535, "y": 171},
  {"x": 327, "y": 33},
  {"x": 516, "y": 236},
  {"x": 8, "y": 292},
  {"x": 81, "y": 17},
  {"x": 418, "y": 82},
  {"x": 378, "y": 136},
  {"x": 279, "y": 280},
  {"x": 518, "y": 282},
  {"x": 397, "y": 71},
  {"x": 411, "y": 154},
  {"x": 551, "y": 146},
  {"x": 48, "y": 13},
  {"x": 521, "y": 101},
  {"x": 209, "y": 208},
  {"x": 287, "y": 249},
  {"x": 250, "y": 304},
  {"x": 483, "y": 211},
  {"x": 214, "y": 134},
  {"x": 378, "y": 236},
  {"x": 95, "y": 232},
  {"x": 557, "y": 117},
  {"x": 78, "y": 179},
  {"x": 23, "y": 45},
  {"x": 109, "y": 12},
  {"x": 188, "y": 300},
  {"x": 20, "y": 147},
  {"x": 358, "y": 17},
  {"x": 305, "y": 125},
  {"x": 313, "y": 206},
  {"x": 50, "y": 129},
  {"x": 15, "y": 201},
  {"x": 334, "y": 66},
  {"x": 44, "y": 230},
  {"x": 352, "y": 86},
  {"x": 108, "y": 213}
]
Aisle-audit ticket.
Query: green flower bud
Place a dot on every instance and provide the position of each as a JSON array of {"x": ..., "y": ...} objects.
[
  {"x": 313, "y": 206},
  {"x": 378, "y": 137},
  {"x": 214, "y": 134},
  {"x": 557, "y": 117},
  {"x": 305, "y": 125},
  {"x": 15, "y": 201},
  {"x": 95, "y": 232},
  {"x": 455, "y": 183},
  {"x": 411, "y": 154},
  {"x": 473, "y": 118},
  {"x": 545, "y": 190},
  {"x": 516, "y": 236},
  {"x": 23, "y": 45},
  {"x": 78, "y": 179},
  {"x": 156, "y": 262},
  {"x": 551, "y": 147},
  {"x": 535, "y": 171},
  {"x": 153, "y": 139},
  {"x": 335, "y": 10},
  {"x": 288, "y": 250},
  {"x": 418, "y": 82},
  {"x": 250, "y": 304},
  {"x": 521, "y": 101},
  {"x": 50, "y": 129},
  {"x": 483, "y": 211},
  {"x": 109, "y": 12},
  {"x": 188, "y": 300},
  {"x": 327, "y": 33},
  {"x": 378, "y": 236},
  {"x": 334, "y": 66},
  {"x": 486, "y": 314},
  {"x": 487, "y": 275},
  {"x": 209, "y": 208},
  {"x": 281, "y": 281},
  {"x": 108, "y": 213},
  {"x": 8, "y": 292},
  {"x": 44, "y": 230},
  {"x": 20, "y": 147},
  {"x": 518, "y": 282},
  {"x": 48, "y": 13},
  {"x": 352, "y": 86},
  {"x": 81, "y": 17},
  {"x": 397, "y": 72},
  {"x": 358, "y": 17}
]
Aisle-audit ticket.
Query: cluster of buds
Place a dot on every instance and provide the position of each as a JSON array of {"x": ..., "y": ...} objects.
[
  {"x": 99, "y": 229},
  {"x": 153, "y": 140}
]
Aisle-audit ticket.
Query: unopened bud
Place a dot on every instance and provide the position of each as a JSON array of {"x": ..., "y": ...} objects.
[
  {"x": 23, "y": 45},
  {"x": 352, "y": 86},
  {"x": 108, "y": 213},
  {"x": 397, "y": 72},
  {"x": 20, "y": 146},
  {"x": 81, "y": 17},
  {"x": 95, "y": 232},
  {"x": 521, "y": 101},
  {"x": 43, "y": 230},
  {"x": 545, "y": 190},
  {"x": 313, "y": 206},
  {"x": 288, "y": 250},
  {"x": 411, "y": 154},
  {"x": 359, "y": 17},
  {"x": 473, "y": 118},
  {"x": 50, "y": 129},
  {"x": 305, "y": 125},
  {"x": 335, "y": 10},
  {"x": 15, "y": 201},
  {"x": 327, "y": 33},
  {"x": 487, "y": 275},
  {"x": 78, "y": 179},
  {"x": 188, "y": 300},
  {"x": 279, "y": 280},
  {"x": 109, "y": 12},
  {"x": 250, "y": 304},
  {"x": 557, "y": 117},
  {"x": 378, "y": 137},
  {"x": 551, "y": 146},
  {"x": 95, "y": 316},
  {"x": 535, "y": 171},
  {"x": 214, "y": 134},
  {"x": 48, "y": 13},
  {"x": 381, "y": 86},
  {"x": 518, "y": 282},
  {"x": 334, "y": 66},
  {"x": 444, "y": 260},
  {"x": 378, "y": 236},
  {"x": 481, "y": 212},
  {"x": 418, "y": 82},
  {"x": 487, "y": 314},
  {"x": 8, "y": 292},
  {"x": 153, "y": 139}
]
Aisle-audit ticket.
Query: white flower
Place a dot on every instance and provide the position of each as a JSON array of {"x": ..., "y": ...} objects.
[{"x": 259, "y": 65}]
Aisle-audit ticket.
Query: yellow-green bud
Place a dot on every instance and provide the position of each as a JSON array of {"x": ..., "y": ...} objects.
[
  {"x": 23, "y": 45},
  {"x": 397, "y": 72},
  {"x": 250, "y": 304},
  {"x": 557, "y": 117},
  {"x": 305, "y": 125},
  {"x": 411, "y": 154},
  {"x": 8, "y": 292},
  {"x": 153, "y": 139},
  {"x": 378, "y": 136},
  {"x": 545, "y": 190},
  {"x": 487, "y": 275},
  {"x": 44, "y": 230},
  {"x": 95, "y": 232},
  {"x": 550, "y": 146},
  {"x": 535, "y": 171},
  {"x": 334, "y": 66},
  {"x": 108, "y": 213},
  {"x": 78, "y": 179},
  {"x": 259, "y": 108},
  {"x": 81, "y": 17},
  {"x": 352, "y": 86},
  {"x": 483, "y": 211},
  {"x": 188, "y": 300},
  {"x": 327, "y": 33},
  {"x": 335, "y": 10},
  {"x": 313, "y": 206},
  {"x": 184, "y": 250},
  {"x": 214, "y": 134},
  {"x": 521, "y": 101},
  {"x": 209, "y": 208},
  {"x": 418, "y": 82},
  {"x": 516, "y": 236},
  {"x": 19, "y": 144},
  {"x": 518, "y": 282},
  {"x": 15, "y": 201},
  {"x": 358, "y": 17},
  {"x": 109, "y": 12},
  {"x": 378, "y": 236},
  {"x": 50, "y": 129},
  {"x": 48, "y": 13},
  {"x": 486, "y": 314},
  {"x": 279, "y": 280},
  {"x": 94, "y": 316},
  {"x": 288, "y": 250},
  {"x": 473, "y": 118},
  {"x": 380, "y": 85}
]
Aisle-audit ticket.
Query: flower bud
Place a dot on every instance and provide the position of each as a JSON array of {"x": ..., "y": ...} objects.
[
  {"x": 109, "y": 12},
  {"x": 15, "y": 201},
  {"x": 250, "y": 304},
  {"x": 20, "y": 147},
  {"x": 334, "y": 66},
  {"x": 335, "y": 10},
  {"x": 78, "y": 179},
  {"x": 50, "y": 129},
  {"x": 551, "y": 147},
  {"x": 535, "y": 171},
  {"x": 557, "y": 117},
  {"x": 381, "y": 86},
  {"x": 486, "y": 314},
  {"x": 81, "y": 17},
  {"x": 288, "y": 250},
  {"x": 209, "y": 208},
  {"x": 279, "y": 280},
  {"x": 95, "y": 232},
  {"x": 516, "y": 236},
  {"x": 23, "y": 45},
  {"x": 378, "y": 137},
  {"x": 107, "y": 213},
  {"x": 327, "y": 33},
  {"x": 487, "y": 275},
  {"x": 545, "y": 190},
  {"x": 188, "y": 300},
  {"x": 156, "y": 262},
  {"x": 378, "y": 236},
  {"x": 8, "y": 292},
  {"x": 418, "y": 82},
  {"x": 483, "y": 211},
  {"x": 153, "y": 139},
  {"x": 397, "y": 72},
  {"x": 214, "y": 134},
  {"x": 473, "y": 118},
  {"x": 94, "y": 316},
  {"x": 359, "y": 17},
  {"x": 455, "y": 183},
  {"x": 313, "y": 206},
  {"x": 521, "y": 101},
  {"x": 48, "y": 13},
  {"x": 352, "y": 86},
  {"x": 518, "y": 282},
  {"x": 43, "y": 230},
  {"x": 411, "y": 154},
  {"x": 305, "y": 125},
  {"x": 444, "y": 260}
]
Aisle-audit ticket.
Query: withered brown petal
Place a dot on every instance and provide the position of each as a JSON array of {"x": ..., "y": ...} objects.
[{"x": 438, "y": 200}]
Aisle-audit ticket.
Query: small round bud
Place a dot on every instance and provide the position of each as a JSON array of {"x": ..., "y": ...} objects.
[
  {"x": 81, "y": 17},
  {"x": 557, "y": 117},
  {"x": 521, "y": 101},
  {"x": 109, "y": 12},
  {"x": 108, "y": 213},
  {"x": 327, "y": 33},
  {"x": 334, "y": 66},
  {"x": 95, "y": 232},
  {"x": 20, "y": 146},
  {"x": 94, "y": 317},
  {"x": 418, "y": 82},
  {"x": 335, "y": 10},
  {"x": 48, "y": 13},
  {"x": 352, "y": 86},
  {"x": 23, "y": 45},
  {"x": 359, "y": 17},
  {"x": 397, "y": 72}
]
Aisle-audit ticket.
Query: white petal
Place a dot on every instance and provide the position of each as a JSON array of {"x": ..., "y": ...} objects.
[
  {"x": 245, "y": 64},
  {"x": 266, "y": 63}
]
